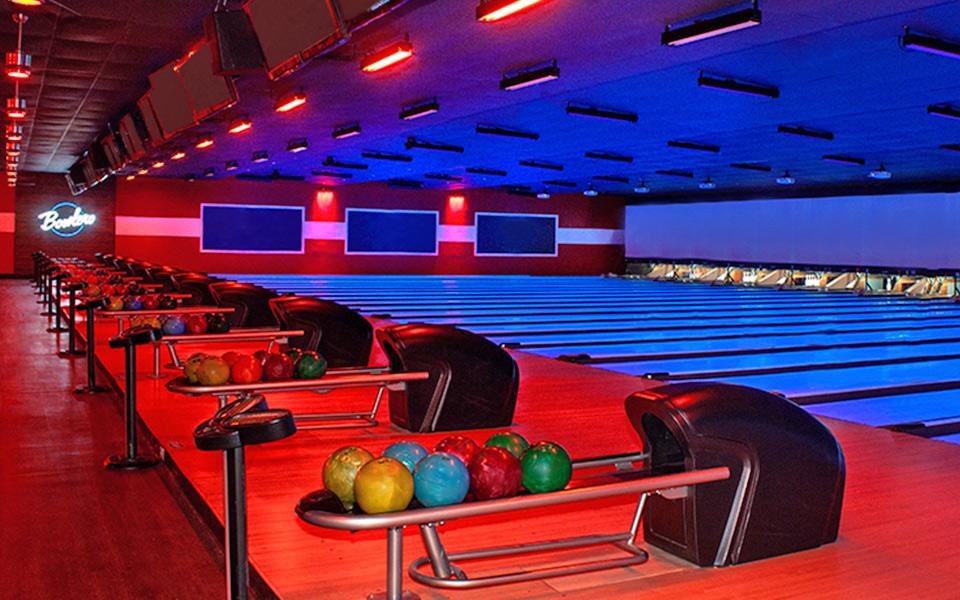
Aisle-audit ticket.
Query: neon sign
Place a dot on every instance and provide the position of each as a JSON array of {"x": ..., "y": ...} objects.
[{"x": 65, "y": 219}]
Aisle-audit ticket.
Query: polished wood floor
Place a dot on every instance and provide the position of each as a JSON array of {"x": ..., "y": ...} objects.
[{"x": 898, "y": 537}]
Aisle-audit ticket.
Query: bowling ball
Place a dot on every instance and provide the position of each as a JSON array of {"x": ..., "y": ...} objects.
[
  {"x": 261, "y": 355},
  {"x": 149, "y": 321},
  {"x": 383, "y": 485},
  {"x": 230, "y": 356},
  {"x": 246, "y": 369},
  {"x": 340, "y": 471},
  {"x": 409, "y": 453},
  {"x": 151, "y": 302},
  {"x": 546, "y": 467},
  {"x": 133, "y": 303},
  {"x": 514, "y": 442},
  {"x": 196, "y": 324},
  {"x": 115, "y": 303},
  {"x": 92, "y": 291},
  {"x": 277, "y": 367},
  {"x": 460, "y": 446},
  {"x": 495, "y": 473},
  {"x": 441, "y": 479},
  {"x": 322, "y": 500},
  {"x": 135, "y": 289},
  {"x": 168, "y": 303},
  {"x": 174, "y": 325},
  {"x": 213, "y": 371},
  {"x": 294, "y": 353},
  {"x": 115, "y": 279},
  {"x": 191, "y": 365},
  {"x": 310, "y": 365},
  {"x": 217, "y": 324}
]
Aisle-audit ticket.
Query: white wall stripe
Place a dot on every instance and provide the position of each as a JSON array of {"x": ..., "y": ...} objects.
[
  {"x": 334, "y": 230},
  {"x": 7, "y": 222}
]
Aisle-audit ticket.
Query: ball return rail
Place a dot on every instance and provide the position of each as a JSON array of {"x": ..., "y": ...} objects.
[{"x": 271, "y": 336}]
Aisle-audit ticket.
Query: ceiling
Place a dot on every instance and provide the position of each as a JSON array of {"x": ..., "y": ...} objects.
[
  {"x": 837, "y": 64},
  {"x": 87, "y": 68}
]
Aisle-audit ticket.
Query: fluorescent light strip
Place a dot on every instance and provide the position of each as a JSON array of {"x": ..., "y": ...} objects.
[
  {"x": 944, "y": 110},
  {"x": 922, "y": 43},
  {"x": 541, "y": 164},
  {"x": 530, "y": 77},
  {"x": 297, "y": 145},
  {"x": 414, "y": 143},
  {"x": 844, "y": 160},
  {"x": 738, "y": 86},
  {"x": 693, "y": 146},
  {"x": 333, "y": 162},
  {"x": 443, "y": 177},
  {"x": 387, "y": 57},
  {"x": 507, "y": 132},
  {"x": 346, "y": 130},
  {"x": 805, "y": 132},
  {"x": 332, "y": 174},
  {"x": 951, "y": 147},
  {"x": 260, "y": 156},
  {"x": 675, "y": 173},
  {"x": 486, "y": 171},
  {"x": 386, "y": 156},
  {"x": 601, "y": 113},
  {"x": 611, "y": 156},
  {"x": 702, "y": 29},
  {"x": 494, "y": 10},
  {"x": 560, "y": 183},
  {"x": 752, "y": 167},
  {"x": 613, "y": 178},
  {"x": 291, "y": 102},
  {"x": 416, "y": 111}
]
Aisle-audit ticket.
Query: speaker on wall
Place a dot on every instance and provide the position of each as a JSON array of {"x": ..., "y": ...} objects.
[{"x": 234, "y": 43}]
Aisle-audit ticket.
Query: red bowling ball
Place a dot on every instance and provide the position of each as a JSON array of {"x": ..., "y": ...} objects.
[
  {"x": 495, "y": 473},
  {"x": 196, "y": 324},
  {"x": 460, "y": 446}
]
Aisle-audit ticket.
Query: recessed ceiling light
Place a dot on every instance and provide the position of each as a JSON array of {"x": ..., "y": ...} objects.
[
  {"x": 914, "y": 41},
  {"x": 708, "y": 184},
  {"x": 882, "y": 173},
  {"x": 297, "y": 145},
  {"x": 494, "y": 10},
  {"x": 291, "y": 102},
  {"x": 387, "y": 57},
  {"x": 240, "y": 125},
  {"x": 705, "y": 27},
  {"x": 205, "y": 142},
  {"x": 420, "y": 109},
  {"x": 178, "y": 155},
  {"x": 346, "y": 130},
  {"x": 517, "y": 80},
  {"x": 786, "y": 179}
]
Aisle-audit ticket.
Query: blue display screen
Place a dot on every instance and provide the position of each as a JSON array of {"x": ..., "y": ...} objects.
[
  {"x": 243, "y": 228},
  {"x": 516, "y": 235},
  {"x": 391, "y": 231}
]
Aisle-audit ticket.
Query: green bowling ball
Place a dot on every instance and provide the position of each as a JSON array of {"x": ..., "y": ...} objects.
[
  {"x": 546, "y": 468},
  {"x": 514, "y": 443},
  {"x": 310, "y": 365},
  {"x": 340, "y": 472}
]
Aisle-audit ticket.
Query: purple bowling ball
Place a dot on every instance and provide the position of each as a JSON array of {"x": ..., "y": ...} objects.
[
  {"x": 174, "y": 326},
  {"x": 133, "y": 303}
]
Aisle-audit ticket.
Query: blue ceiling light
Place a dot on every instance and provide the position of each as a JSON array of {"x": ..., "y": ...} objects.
[
  {"x": 420, "y": 109},
  {"x": 806, "y": 132},
  {"x": 761, "y": 168},
  {"x": 786, "y": 179},
  {"x": 844, "y": 160},
  {"x": 737, "y": 86},
  {"x": 944, "y": 110},
  {"x": 544, "y": 194},
  {"x": 882, "y": 173},
  {"x": 523, "y": 78},
  {"x": 708, "y": 26},
  {"x": 590, "y": 192},
  {"x": 642, "y": 188},
  {"x": 923, "y": 43},
  {"x": 708, "y": 184},
  {"x": 511, "y": 132},
  {"x": 347, "y": 130},
  {"x": 597, "y": 112}
]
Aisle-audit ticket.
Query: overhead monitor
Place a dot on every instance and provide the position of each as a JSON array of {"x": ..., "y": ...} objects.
[
  {"x": 171, "y": 104},
  {"x": 131, "y": 138},
  {"x": 111, "y": 150},
  {"x": 207, "y": 91},
  {"x": 358, "y": 13},
  {"x": 292, "y": 31},
  {"x": 150, "y": 120}
]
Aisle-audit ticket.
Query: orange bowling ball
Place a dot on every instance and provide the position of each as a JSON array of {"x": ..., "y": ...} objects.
[{"x": 383, "y": 485}]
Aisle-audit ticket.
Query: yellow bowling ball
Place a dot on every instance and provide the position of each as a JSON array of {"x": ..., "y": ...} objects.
[
  {"x": 341, "y": 469},
  {"x": 383, "y": 485}
]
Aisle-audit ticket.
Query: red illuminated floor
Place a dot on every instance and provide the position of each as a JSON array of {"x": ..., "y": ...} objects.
[
  {"x": 898, "y": 532},
  {"x": 69, "y": 528}
]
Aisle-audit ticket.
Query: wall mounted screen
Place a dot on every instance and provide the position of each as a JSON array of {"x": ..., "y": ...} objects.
[
  {"x": 503, "y": 234},
  {"x": 392, "y": 232},
  {"x": 252, "y": 229},
  {"x": 208, "y": 92}
]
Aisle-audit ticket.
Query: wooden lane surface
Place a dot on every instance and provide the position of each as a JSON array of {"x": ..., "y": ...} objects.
[{"x": 898, "y": 531}]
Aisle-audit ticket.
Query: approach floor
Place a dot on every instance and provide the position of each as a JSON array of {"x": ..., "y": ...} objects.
[{"x": 881, "y": 361}]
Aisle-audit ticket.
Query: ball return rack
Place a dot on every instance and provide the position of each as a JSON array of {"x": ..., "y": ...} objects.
[
  {"x": 122, "y": 315},
  {"x": 446, "y": 574},
  {"x": 271, "y": 336},
  {"x": 334, "y": 379}
]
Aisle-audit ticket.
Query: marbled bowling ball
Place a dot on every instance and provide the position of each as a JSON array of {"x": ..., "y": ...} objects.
[
  {"x": 174, "y": 326},
  {"x": 409, "y": 453},
  {"x": 340, "y": 470},
  {"x": 441, "y": 479},
  {"x": 546, "y": 467},
  {"x": 513, "y": 442},
  {"x": 495, "y": 473},
  {"x": 383, "y": 485},
  {"x": 460, "y": 446}
]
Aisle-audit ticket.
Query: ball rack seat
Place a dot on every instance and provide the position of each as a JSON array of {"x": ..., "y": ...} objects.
[
  {"x": 786, "y": 481},
  {"x": 337, "y": 333},
  {"x": 245, "y": 422},
  {"x": 197, "y": 285},
  {"x": 251, "y": 303},
  {"x": 473, "y": 382}
]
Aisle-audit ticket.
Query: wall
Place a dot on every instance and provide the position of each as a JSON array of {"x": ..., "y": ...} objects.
[
  {"x": 8, "y": 203},
  {"x": 906, "y": 230},
  {"x": 158, "y": 220},
  {"x": 50, "y": 189}
]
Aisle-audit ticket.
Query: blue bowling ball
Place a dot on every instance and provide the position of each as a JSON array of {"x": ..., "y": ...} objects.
[
  {"x": 133, "y": 303},
  {"x": 409, "y": 453},
  {"x": 174, "y": 326},
  {"x": 441, "y": 479}
]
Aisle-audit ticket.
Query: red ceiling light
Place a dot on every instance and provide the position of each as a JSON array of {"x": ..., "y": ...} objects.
[
  {"x": 387, "y": 57},
  {"x": 29, "y": 2},
  {"x": 18, "y": 65},
  {"x": 158, "y": 164},
  {"x": 131, "y": 177},
  {"x": 16, "y": 108},
  {"x": 13, "y": 149},
  {"x": 208, "y": 141},
  {"x": 494, "y": 10},
  {"x": 178, "y": 155},
  {"x": 240, "y": 125},
  {"x": 14, "y": 132},
  {"x": 288, "y": 103}
]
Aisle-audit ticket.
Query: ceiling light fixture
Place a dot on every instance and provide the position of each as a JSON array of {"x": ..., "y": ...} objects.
[
  {"x": 613, "y": 178},
  {"x": 675, "y": 173},
  {"x": 143, "y": 171},
  {"x": 541, "y": 164},
  {"x": 693, "y": 146},
  {"x": 711, "y": 26},
  {"x": 18, "y": 65},
  {"x": 611, "y": 156},
  {"x": 443, "y": 177},
  {"x": 297, "y": 145},
  {"x": 561, "y": 183},
  {"x": 708, "y": 184},
  {"x": 260, "y": 156},
  {"x": 517, "y": 80},
  {"x": 951, "y": 147},
  {"x": 325, "y": 173},
  {"x": 494, "y": 10},
  {"x": 387, "y": 56},
  {"x": 14, "y": 132},
  {"x": 507, "y": 132},
  {"x": 844, "y": 160},
  {"x": 291, "y": 102},
  {"x": 209, "y": 172},
  {"x": 590, "y": 192},
  {"x": 642, "y": 188},
  {"x": 938, "y": 110},
  {"x": 347, "y": 130},
  {"x": 413, "y": 143},
  {"x": 752, "y": 167},
  {"x": 340, "y": 164},
  {"x": 882, "y": 173},
  {"x": 131, "y": 177},
  {"x": 806, "y": 132},
  {"x": 737, "y": 86},
  {"x": 420, "y": 109},
  {"x": 16, "y": 108},
  {"x": 601, "y": 113},
  {"x": 28, "y": 2},
  {"x": 231, "y": 165},
  {"x": 240, "y": 125},
  {"x": 204, "y": 143},
  {"x": 543, "y": 195},
  {"x": 158, "y": 164},
  {"x": 922, "y": 43},
  {"x": 376, "y": 155},
  {"x": 178, "y": 155},
  {"x": 786, "y": 179},
  {"x": 486, "y": 171},
  {"x": 410, "y": 184}
]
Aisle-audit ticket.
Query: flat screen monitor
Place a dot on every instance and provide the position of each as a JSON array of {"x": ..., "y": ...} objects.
[
  {"x": 242, "y": 228},
  {"x": 130, "y": 138},
  {"x": 291, "y": 31},
  {"x": 171, "y": 104},
  {"x": 112, "y": 151},
  {"x": 150, "y": 120},
  {"x": 392, "y": 232},
  {"x": 357, "y": 13},
  {"x": 208, "y": 92},
  {"x": 503, "y": 234}
]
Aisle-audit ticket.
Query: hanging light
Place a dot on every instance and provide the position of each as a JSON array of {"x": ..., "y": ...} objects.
[
  {"x": 16, "y": 108},
  {"x": 158, "y": 164},
  {"x": 18, "y": 65},
  {"x": 786, "y": 179},
  {"x": 642, "y": 188},
  {"x": 240, "y": 125},
  {"x": 29, "y": 2},
  {"x": 387, "y": 57},
  {"x": 178, "y": 155},
  {"x": 13, "y": 149},
  {"x": 205, "y": 142},
  {"x": 881, "y": 173},
  {"x": 14, "y": 132},
  {"x": 708, "y": 184},
  {"x": 291, "y": 102},
  {"x": 590, "y": 192}
]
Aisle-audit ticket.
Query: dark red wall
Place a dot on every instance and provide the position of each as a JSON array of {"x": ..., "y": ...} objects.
[
  {"x": 8, "y": 203},
  {"x": 167, "y": 198}
]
